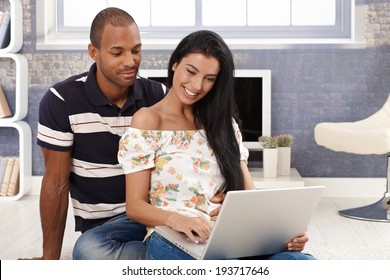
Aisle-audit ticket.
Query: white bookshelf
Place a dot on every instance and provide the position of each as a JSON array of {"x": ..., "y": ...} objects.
[
  {"x": 21, "y": 87},
  {"x": 16, "y": 42},
  {"x": 25, "y": 152},
  {"x": 21, "y": 100}
]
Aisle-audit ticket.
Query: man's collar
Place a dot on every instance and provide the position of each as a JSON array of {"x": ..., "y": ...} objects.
[{"x": 92, "y": 88}]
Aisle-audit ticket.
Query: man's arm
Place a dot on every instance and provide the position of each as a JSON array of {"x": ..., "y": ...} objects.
[
  {"x": 248, "y": 185},
  {"x": 298, "y": 243},
  {"x": 248, "y": 182},
  {"x": 54, "y": 201}
]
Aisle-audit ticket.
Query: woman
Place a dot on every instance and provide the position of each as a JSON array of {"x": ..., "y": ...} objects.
[{"x": 187, "y": 148}]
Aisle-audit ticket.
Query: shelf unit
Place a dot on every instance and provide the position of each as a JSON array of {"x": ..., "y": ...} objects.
[
  {"x": 16, "y": 42},
  {"x": 21, "y": 87},
  {"x": 21, "y": 100},
  {"x": 25, "y": 153}
]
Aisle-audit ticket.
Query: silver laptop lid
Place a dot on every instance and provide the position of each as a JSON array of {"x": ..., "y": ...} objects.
[
  {"x": 253, "y": 223},
  {"x": 260, "y": 222}
]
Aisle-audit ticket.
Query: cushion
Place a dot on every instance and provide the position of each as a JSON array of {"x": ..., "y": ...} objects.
[{"x": 368, "y": 136}]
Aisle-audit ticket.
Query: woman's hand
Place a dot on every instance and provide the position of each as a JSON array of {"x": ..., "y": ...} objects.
[{"x": 193, "y": 227}]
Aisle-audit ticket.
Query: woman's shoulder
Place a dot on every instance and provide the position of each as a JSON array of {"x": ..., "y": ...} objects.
[{"x": 146, "y": 118}]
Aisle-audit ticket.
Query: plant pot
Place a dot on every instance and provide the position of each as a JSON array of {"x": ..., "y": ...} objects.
[
  {"x": 284, "y": 161},
  {"x": 270, "y": 163}
]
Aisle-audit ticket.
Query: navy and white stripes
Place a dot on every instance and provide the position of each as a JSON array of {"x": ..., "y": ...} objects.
[{"x": 75, "y": 116}]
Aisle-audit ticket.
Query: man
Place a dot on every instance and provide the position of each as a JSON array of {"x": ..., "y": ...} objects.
[{"x": 81, "y": 120}]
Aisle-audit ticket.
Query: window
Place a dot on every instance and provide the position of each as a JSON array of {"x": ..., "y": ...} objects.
[{"x": 242, "y": 23}]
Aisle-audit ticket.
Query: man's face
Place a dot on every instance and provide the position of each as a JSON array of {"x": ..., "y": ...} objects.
[{"x": 119, "y": 56}]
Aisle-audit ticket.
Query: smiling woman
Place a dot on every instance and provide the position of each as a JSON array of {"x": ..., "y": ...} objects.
[{"x": 182, "y": 153}]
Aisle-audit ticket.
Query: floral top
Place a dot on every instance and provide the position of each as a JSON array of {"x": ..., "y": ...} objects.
[{"x": 185, "y": 173}]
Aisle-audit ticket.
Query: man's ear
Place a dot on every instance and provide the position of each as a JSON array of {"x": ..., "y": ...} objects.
[{"x": 93, "y": 51}]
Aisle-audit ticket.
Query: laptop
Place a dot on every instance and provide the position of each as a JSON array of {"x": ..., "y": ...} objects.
[{"x": 253, "y": 223}]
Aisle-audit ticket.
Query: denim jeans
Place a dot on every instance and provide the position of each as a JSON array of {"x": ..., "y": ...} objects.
[
  {"x": 158, "y": 248},
  {"x": 117, "y": 239}
]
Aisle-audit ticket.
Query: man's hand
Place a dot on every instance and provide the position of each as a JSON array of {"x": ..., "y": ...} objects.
[
  {"x": 298, "y": 243},
  {"x": 217, "y": 198}
]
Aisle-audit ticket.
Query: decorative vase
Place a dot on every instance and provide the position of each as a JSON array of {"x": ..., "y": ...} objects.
[
  {"x": 270, "y": 163},
  {"x": 284, "y": 161}
]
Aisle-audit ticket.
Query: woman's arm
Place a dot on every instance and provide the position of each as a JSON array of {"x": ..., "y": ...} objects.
[
  {"x": 138, "y": 207},
  {"x": 140, "y": 210}
]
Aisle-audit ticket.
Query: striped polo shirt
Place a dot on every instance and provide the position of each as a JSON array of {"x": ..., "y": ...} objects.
[{"x": 74, "y": 115}]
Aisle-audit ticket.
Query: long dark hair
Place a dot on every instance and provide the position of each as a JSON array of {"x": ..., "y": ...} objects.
[{"x": 215, "y": 111}]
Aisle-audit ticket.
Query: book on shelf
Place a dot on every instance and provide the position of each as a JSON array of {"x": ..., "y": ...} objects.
[
  {"x": 5, "y": 111},
  {"x": 7, "y": 176},
  {"x": 13, "y": 185},
  {"x": 5, "y": 28},
  {"x": 3, "y": 165}
]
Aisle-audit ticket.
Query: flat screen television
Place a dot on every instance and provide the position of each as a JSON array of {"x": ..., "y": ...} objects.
[{"x": 253, "y": 98}]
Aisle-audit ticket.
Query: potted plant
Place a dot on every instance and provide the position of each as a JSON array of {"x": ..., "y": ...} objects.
[
  {"x": 270, "y": 156},
  {"x": 268, "y": 142},
  {"x": 285, "y": 142}
]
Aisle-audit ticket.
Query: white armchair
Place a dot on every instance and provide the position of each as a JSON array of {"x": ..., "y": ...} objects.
[{"x": 364, "y": 137}]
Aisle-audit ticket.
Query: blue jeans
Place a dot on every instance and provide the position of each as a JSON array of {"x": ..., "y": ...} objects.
[
  {"x": 117, "y": 239},
  {"x": 158, "y": 248}
]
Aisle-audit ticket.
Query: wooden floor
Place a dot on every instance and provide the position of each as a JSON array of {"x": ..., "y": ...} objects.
[{"x": 332, "y": 237}]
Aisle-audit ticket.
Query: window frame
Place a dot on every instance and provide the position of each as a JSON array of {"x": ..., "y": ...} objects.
[{"x": 347, "y": 33}]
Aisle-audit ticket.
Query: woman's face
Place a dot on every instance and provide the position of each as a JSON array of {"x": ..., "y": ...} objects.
[{"x": 194, "y": 76}]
